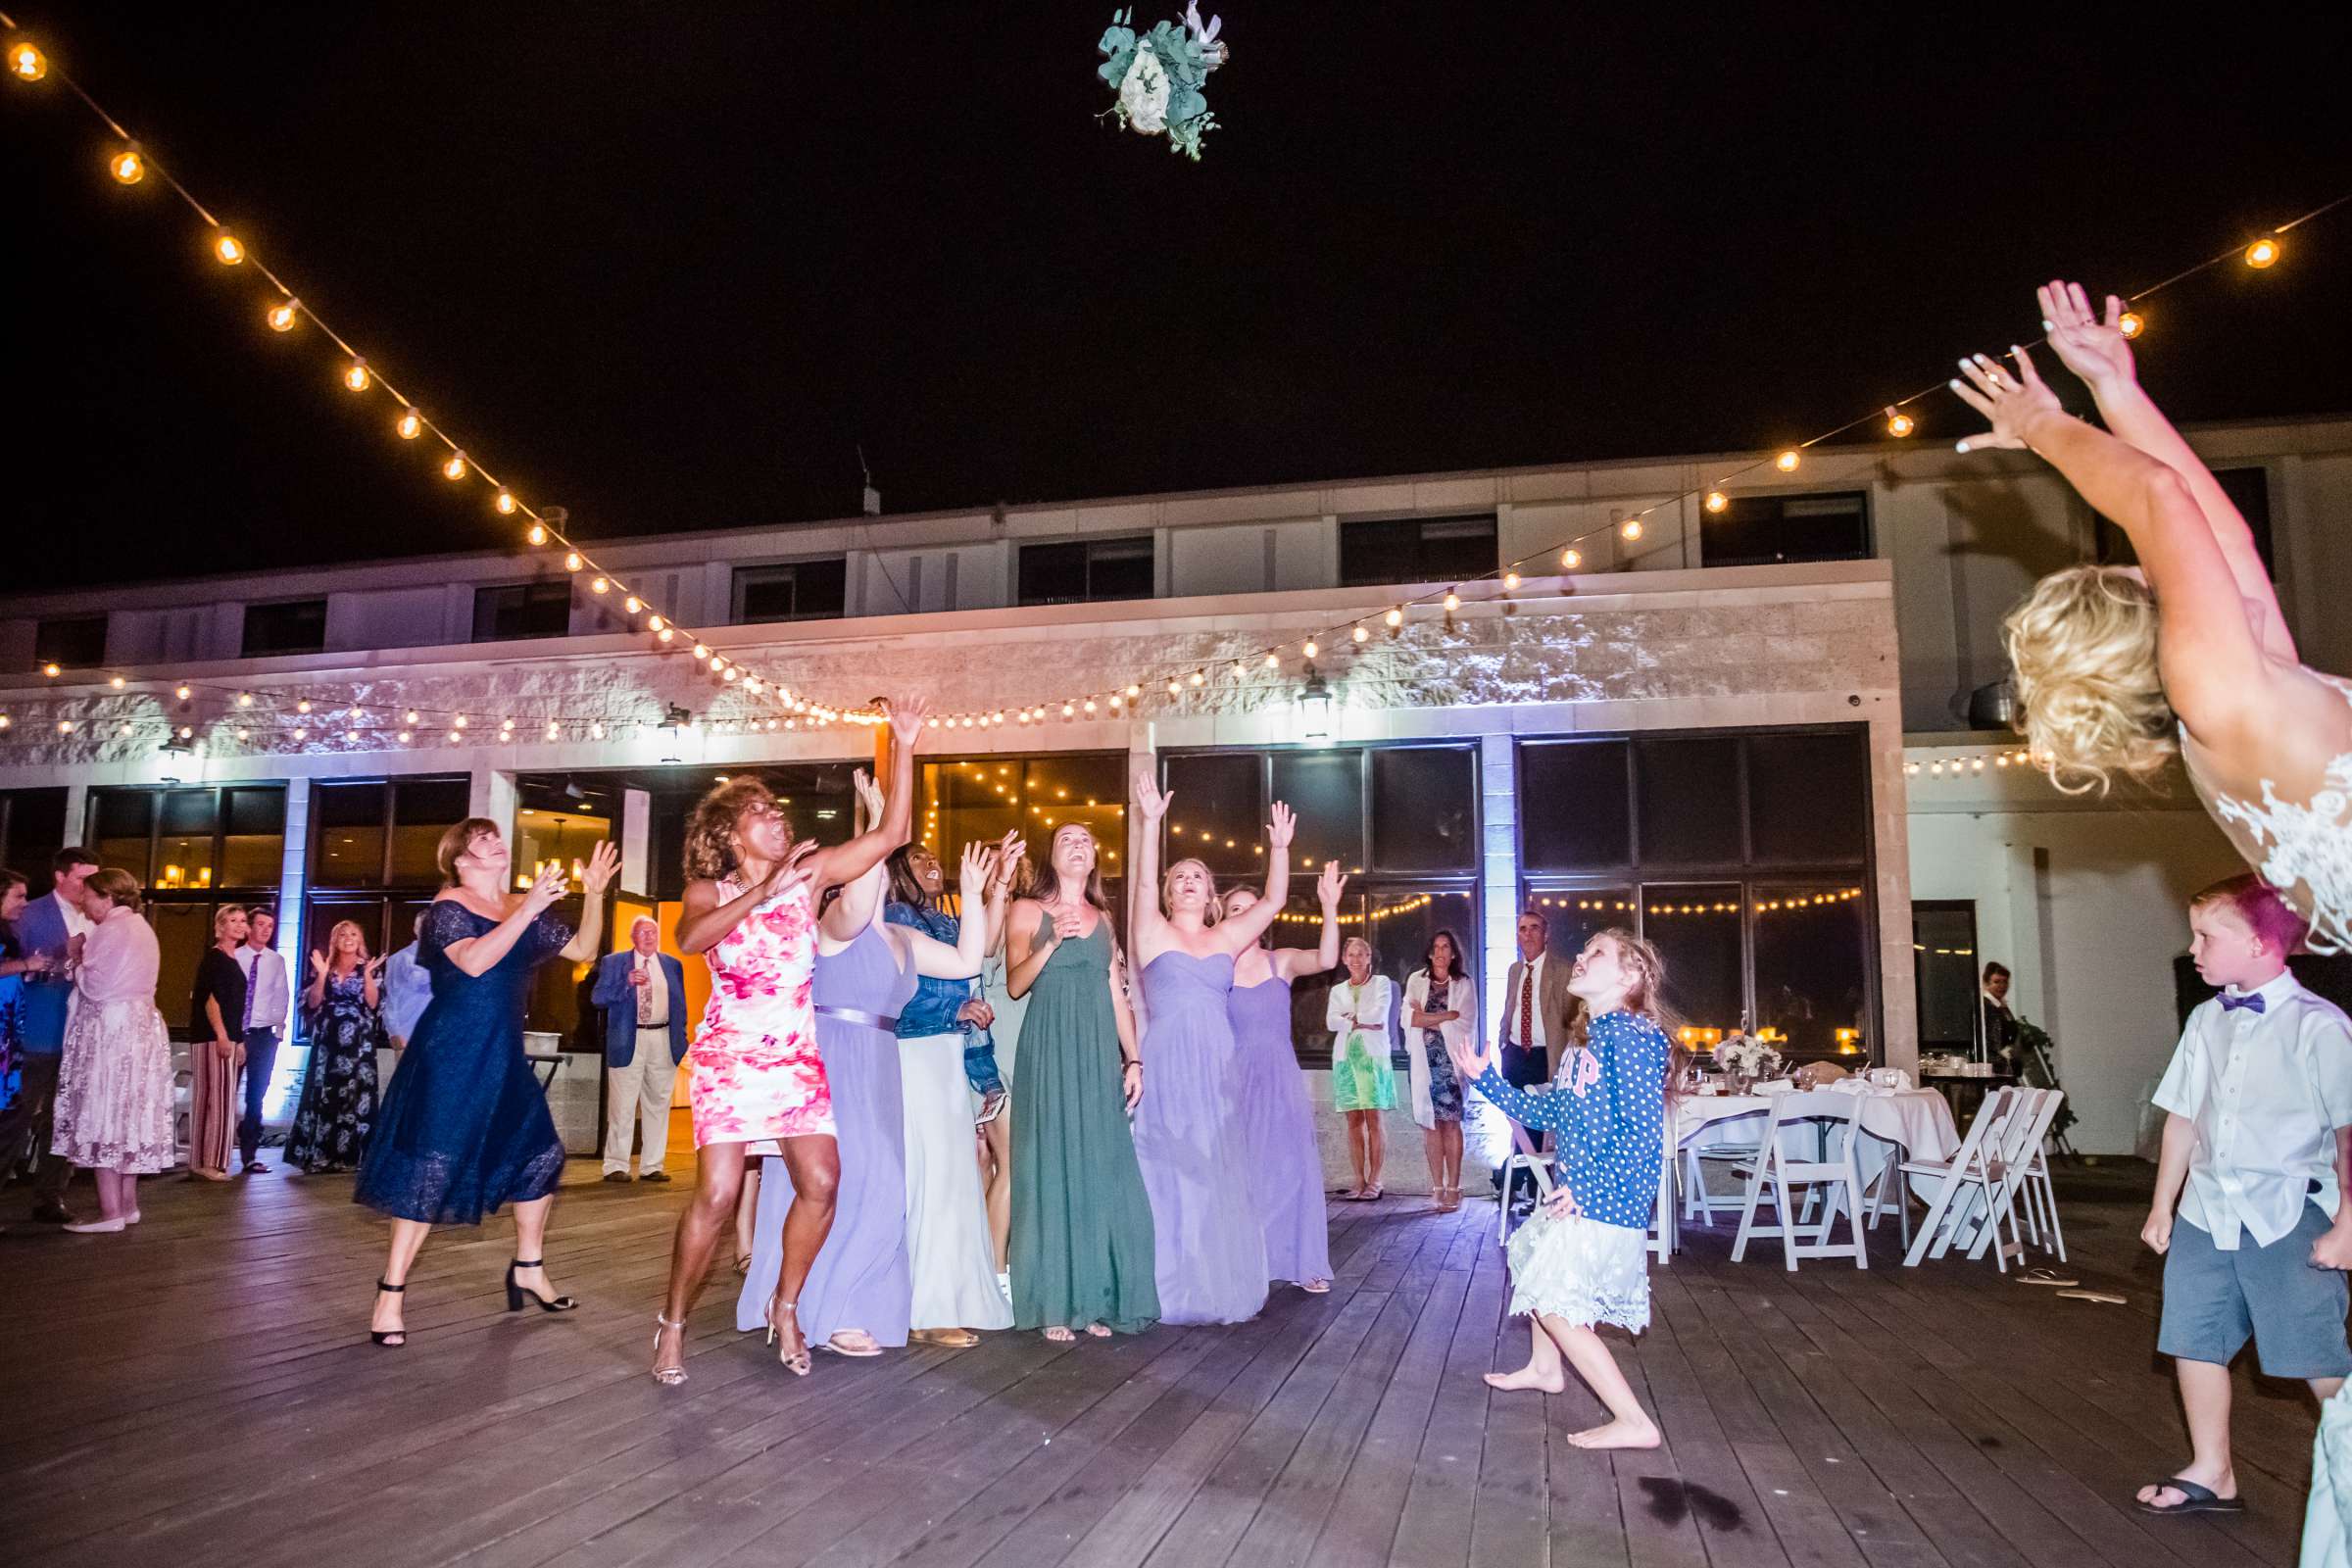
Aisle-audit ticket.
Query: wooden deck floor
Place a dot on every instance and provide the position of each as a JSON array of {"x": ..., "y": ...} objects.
[{"x": 200, "y": 1391}]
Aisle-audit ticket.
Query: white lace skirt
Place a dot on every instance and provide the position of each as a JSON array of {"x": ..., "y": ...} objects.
[
  {"x": 1581, "y": 1271},
  {"x": 114, "y": 1090}
]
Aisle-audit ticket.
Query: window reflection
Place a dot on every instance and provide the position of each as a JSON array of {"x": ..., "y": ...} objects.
[
  {"x": 1326, "y": 789},
  {"x": 1695, "y": 928},
  {"x": 1423, "y": 807},
  {"x": 1812, "y": 967},
  {"x": 1218, "y": 811}
]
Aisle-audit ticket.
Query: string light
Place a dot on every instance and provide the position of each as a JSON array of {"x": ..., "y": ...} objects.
[
  {"x": 505, "y": 507},
  {"x": 1453, "y": 601},
  {"x": 1394, "y": 617},
  {"x": 2132, "y": 324},
  {"x": 2262, "y": 253},
  {"x": 116, "y": 683},
  {"x": 598, "y": 585},
  {"x": 27, "y": 63},
  {"x": 455, "y": 468},
  {"x": 283, "y": 315},
  {"x": 52, "y": 670},
  {"x": 1510, "y": 581},
  {"x": 1788, "y": 461},
  {"x": 355, "y": 376},
  {"x": 1198, "y": 677},
  {"x": 409, "y": 717},
  {"x": 229, "y": 248},
  {"x": 1310, "y": 648},
  {"x": 1630, "y": 530},
  {"x": 1361, "y": 632},
  {"x": 1717, "y": 501},
  {"x": 1570, "y": 559},
  {"x": 304, "y": 706},
  {"x": 1899, "y": 423},
  {"x": 181, "y": 692},
  {"x": 245, "y": 700},
  {"x": 128, "y": 165},
  {"x": 571, "y": 560},
  {"x": 411, "y": 425}
]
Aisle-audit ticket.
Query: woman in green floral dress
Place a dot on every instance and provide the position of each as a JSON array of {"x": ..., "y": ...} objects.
[{"x": 1364, "y": 1087}]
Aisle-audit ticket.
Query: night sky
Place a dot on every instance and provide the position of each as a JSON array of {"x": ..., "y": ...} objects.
[{"x": 668, "y": 265}]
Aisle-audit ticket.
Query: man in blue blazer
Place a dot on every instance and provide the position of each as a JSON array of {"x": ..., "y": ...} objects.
[
  {"x": 643, "y": 993},
  {"x": 46, "y": 931}
]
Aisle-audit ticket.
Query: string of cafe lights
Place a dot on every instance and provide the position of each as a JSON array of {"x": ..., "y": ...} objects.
[{"x": 131, "y": 165}]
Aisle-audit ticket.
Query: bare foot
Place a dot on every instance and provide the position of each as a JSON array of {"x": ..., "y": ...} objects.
[
  {"x": 1100, "y": 1331},
  {"x": 1527, "y": 1376},
  {"x": 1637, "y": 1434},
  {"x": 1059, "y": 1335}
]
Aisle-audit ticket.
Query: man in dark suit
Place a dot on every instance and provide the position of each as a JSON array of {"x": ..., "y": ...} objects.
[
  {"x": 2000, "y": 1024},
  {"x": 47, "y": 931},
  {"x": 1537, "y": 1015},
  {"x": 642, "y": 991}
]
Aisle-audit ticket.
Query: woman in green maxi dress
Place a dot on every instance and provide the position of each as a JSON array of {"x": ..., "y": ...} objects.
[{"x": 1081, "y": 1251}]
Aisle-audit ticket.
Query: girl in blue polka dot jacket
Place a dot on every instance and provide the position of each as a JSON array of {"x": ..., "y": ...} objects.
[{"x": 1582, "y": 1259}]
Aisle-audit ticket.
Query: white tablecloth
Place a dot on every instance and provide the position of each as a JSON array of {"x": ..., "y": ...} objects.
[{"x": 1897, "y": 1123}]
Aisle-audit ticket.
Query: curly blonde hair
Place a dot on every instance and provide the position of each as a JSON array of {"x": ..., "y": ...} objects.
[{"x": 2090, "y": 700}]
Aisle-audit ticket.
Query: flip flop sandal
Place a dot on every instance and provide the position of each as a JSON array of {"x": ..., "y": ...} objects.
[
  {"x": 2194, "y": 1500},
  {"x": 2104, "y": 1298},
  {"x": 2046, "y": 1276}
]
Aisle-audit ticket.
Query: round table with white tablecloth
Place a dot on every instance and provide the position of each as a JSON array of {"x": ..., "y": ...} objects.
[{"x": 1897, "y": 1123}]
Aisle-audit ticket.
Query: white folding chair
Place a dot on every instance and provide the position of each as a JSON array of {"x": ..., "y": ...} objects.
[
  {"x": 1774, "y": 1175},
  {"x": 2041, "y": 1198},
  {"x": 1969, "y": 1185},
  {"x": 1523, "y": 1157},
  {"x": 1664, "y": 1234},
  {"x": 1699, "y": 1202},
  {"x": 1891, "y": 1187},
  {"x": 2030, "y": 1116}
]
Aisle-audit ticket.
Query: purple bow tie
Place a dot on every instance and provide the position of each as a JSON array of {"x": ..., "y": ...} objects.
[{"x": 2252, "y": 998}]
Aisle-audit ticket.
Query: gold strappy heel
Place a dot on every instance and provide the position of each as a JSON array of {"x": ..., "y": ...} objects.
[
  {"x": 669, "y": 1376},
  {"x": 796, "y": 1362}
]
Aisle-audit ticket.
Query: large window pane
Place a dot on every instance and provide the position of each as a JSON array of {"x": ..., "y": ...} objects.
[
  {"x": 1695, "y": 928},
  {"x": 1762, "y": 530},
  {"x": 1689, "y": 794},
  {"x": 293, "y": 626},
  {"x": 564, "y": 838},
  {"x": 185, "y": 840},
  {"x": 1943, "y": 954},
  {"x": 1089, "y": 790},
  {"x": 423, "y": 810},
  {"x": 348, "y": 850},
  {"x": 1808, "y": 798},
  {"x": 1813, "y": 967},
  {"x": 1218, "y": 796},
  {"x": 1326, "y": 789},
  {"x": 1384, "y": 550},
  {"x": 1573, "y": 918},
  {"x": 1573, "y": 809},
  {"x": 982, "y": 799},
  {"x": 74, "y": 642},
  {"x": 253, "y": 848},
  {"x": 119, "y": 824},
  {"x": 183, "y": 931},
  {"x": 1400, "y": 921},
  {"x": 33, "y": 829},
  {"x": 1424, "y": 809}
]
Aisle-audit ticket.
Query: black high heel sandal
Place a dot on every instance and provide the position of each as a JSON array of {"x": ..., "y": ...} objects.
[
  {"x": 389, "y": 1339},
  {"x": 516, "y": 1292}
]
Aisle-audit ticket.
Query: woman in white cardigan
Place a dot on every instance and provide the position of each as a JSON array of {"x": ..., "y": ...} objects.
[
  {"x": 1364, "y": 1087},
  {"x": 1441, "y": 1014}
]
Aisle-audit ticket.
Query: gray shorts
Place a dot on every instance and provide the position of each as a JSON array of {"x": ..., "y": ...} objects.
[{"x": 2215, "y": 1300}]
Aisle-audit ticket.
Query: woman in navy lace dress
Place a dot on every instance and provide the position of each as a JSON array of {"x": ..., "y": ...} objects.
[
  {"x": 465, "y": 1127},
  {"x": 341, "y": 1010}
]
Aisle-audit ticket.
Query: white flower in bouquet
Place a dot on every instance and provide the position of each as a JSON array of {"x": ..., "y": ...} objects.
[{"x": 1746, "y": 1057}]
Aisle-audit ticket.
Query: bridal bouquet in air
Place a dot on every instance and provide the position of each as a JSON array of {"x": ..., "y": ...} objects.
[
  {"x": 1745, "y": 1057},
  {"x": 1158, "y": 75}
]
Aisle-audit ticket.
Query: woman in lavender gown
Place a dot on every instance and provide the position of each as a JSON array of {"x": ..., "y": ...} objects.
[
  {"x": 1188, "y": 1127},
  {"x": 858, "y": 1296},
  {"x": 1278, "y": 1115}
]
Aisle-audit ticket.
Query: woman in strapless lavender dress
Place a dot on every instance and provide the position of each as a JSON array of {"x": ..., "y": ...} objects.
[
  {"x": 1210, "y": 1267},
  {"x": 1278, "y": 1113}
]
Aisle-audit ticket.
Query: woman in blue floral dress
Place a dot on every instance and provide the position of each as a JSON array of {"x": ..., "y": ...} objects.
[{"x": 342, "y": 1011}]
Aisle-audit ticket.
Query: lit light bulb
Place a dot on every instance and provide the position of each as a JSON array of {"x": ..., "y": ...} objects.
[
  {"x": 128, "y": 165},
  {"x": 1134, "y": 690},
  {"x": 458, "y": 722},
  {"x": 1198, "y": 677},
  {"x": 701, "y": 652},
  {"x": 1629, "y": 528},
  {"x": 116, "y": 683},
  {"x": 1090, "y": 705},
  {"x": 52, "y": 670},
  {"x": 667, "y": 634},
  {"x": 65, "y": 726},
  {"x": 2132, "y": 324},
  {"x": 409, "y": 717},
  {"x": 1309, "y": 648},
  {"x": 2262, "y": 253},
  {"x": 632, "y": 604},
  {"x": 656, "y": 624},
  {"x": 355, "y": 376},
  {"x": 730, "y": 673},
  {"x": 596, "y": 732},
  {"x": 598, "y": 585},
  {"x": 1067, "y": 710},
  {"x": 1788, "y": 461},
  {"x": 1394, "y": 617},
  {"x": 571, "y": 560},
  {"x": 25, "y": 63},
  {"x": 411, "y": 425},
  {"x": 1899, "y": 423},
  {"x": 244, "y": 698},
  {"x": 303, "y": 705},
  {"x": 455, "y": 468},
  {"x": 452, "y": 737},
  {"x": 506, "y": 503},
  {"x": 1453, "y": 601},
  {"x": 1570, "y": 559},
  {"x": 1118, "y": 701},
  {"x": 283, "y": 315},
  {"x": 1361, "y": 634},
  {"x": 404, "y": 737},
  {"x": 1274, "y": 661},
  {"x": 1717, "y": 501},
  {"x": 229, "y": 249},
  {"x": 1175, "y": 687},
  {"x": 180, "y": 692},
  {"x": 1510, "y": 580},
  {"x": 300, "y": 732}
]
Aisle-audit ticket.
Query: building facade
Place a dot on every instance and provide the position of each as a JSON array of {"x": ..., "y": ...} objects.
[{"x": 1743, "y": 731}]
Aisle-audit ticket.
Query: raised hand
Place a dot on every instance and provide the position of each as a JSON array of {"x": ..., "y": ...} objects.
[
  {"x": 906, "y": 716},
  {"x": 869, "y": 795},
  {"x": 2012, "y": 402},
  {"x": 550, "y": 885},
  {"x": 604, "y": 864},
  {"x": 1010, "y": 848},
  {"x": 2093, "y": 347},
  {"x": 1472, "y": 1057},
  {"x": 1329, "y": 886},
  {"x": 317, "y": 964},
  {"x": 794, "y": 868},
  {"x": 1281, "y": 825},
  {"x": 376, "y": 967},
  {"x": 1149, "y": 798},
  {"x": 973, "y": 877}
]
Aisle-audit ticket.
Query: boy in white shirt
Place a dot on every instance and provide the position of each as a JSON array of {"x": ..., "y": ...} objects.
[{"x": 2256, "y": 1150}]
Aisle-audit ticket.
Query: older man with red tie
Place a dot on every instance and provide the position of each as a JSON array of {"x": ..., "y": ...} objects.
[{"x": 643, "y": 993}]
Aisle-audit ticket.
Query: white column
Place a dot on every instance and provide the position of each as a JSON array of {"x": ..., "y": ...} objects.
[
  {"x": 493, "y": 797},
  {"x": 1498, "y": 866},
  {"x": 293, "y": 885},
  {"x": 78, "y": 820}
]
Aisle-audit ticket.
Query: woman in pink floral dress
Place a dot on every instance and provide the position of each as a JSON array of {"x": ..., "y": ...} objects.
[{"x": 754, "y": 1074}]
